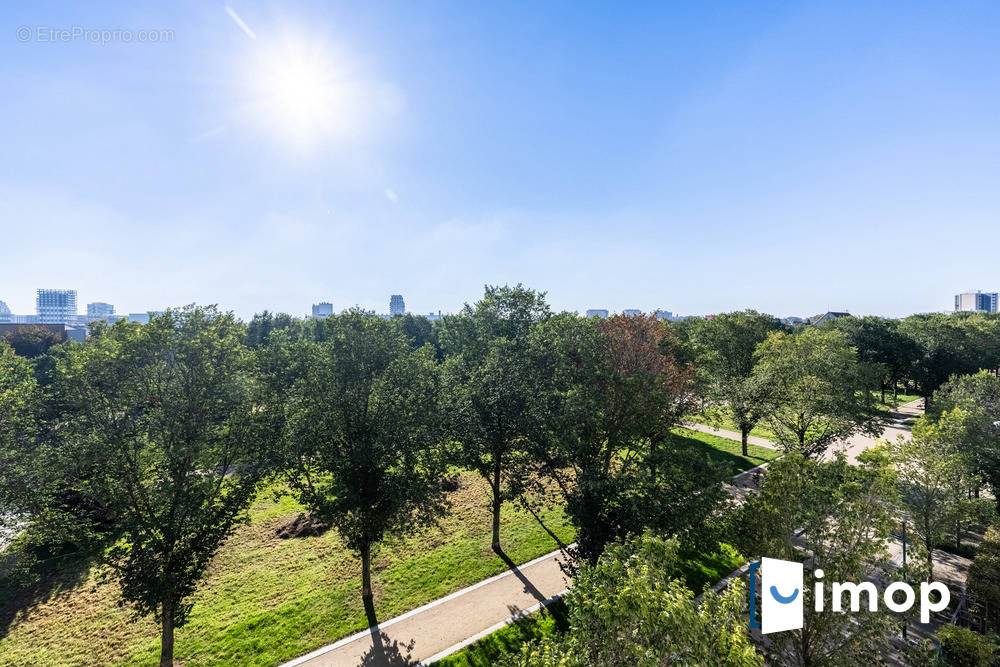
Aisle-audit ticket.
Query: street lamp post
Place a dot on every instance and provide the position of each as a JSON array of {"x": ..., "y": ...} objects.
[{"x": 905, "y": 518}]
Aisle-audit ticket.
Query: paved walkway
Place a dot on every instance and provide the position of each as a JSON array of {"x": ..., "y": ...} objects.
[
  {"x": 443, "y": 626},
  {"x": 446, "y": 625},
  {"x": 732, "y": 435},
  {"x": 901, "y": 421}
]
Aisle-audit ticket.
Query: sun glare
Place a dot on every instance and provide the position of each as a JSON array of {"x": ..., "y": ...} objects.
[{"x": 303, "y": 93}]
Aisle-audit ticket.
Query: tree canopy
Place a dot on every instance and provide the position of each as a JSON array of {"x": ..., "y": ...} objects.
[{"x": 166, "y": 418}]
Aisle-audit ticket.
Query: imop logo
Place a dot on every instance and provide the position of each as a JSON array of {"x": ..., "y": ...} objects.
[
  {"x": 782, "y": 593},
  {"x": 781, "y": 597}
]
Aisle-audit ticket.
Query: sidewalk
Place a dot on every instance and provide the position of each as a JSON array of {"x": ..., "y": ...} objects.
[
  {"x": 437, "y": 629},
  {"x": 900, "y": 420},
  {"x": 731, "y": 435},
  {"x": 430, "y": 632}
]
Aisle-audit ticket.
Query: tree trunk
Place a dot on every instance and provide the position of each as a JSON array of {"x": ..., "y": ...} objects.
[
  {"x": 883, "y": 392},
  {"x": 745, "y": 435},
  {"x": 167, "y": 635},
  {"x": 497, "y": 500},
  {"x": 930, "y": 552},
  {"x": 366, "y": 571}
]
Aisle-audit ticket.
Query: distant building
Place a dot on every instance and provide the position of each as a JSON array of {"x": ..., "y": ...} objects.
[
  {"x": 396, "y": 305},
  {"x": 141, "y": 318},
  {"x": 983, "y": 302},
  {"x": 631, "y": 312},
  {"x": 5, "y": 314},
  {"x": 77, "y": 333},
  {"x": 99, "y": 311},
  {"x": 56, "y": 306},
  {"x": 664, "y": 315},
  {"x": 322, "y": 309},
  {"x": 827, "y": 317},
  {"x": 793, "y": 320},
  {"x": 598, "y": 312}
]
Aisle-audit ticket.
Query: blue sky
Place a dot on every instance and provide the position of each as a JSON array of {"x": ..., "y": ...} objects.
[{"x": 697, "y": 157}]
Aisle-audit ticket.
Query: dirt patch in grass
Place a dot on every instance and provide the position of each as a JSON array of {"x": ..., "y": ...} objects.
[{"x": 302, "y": 526}]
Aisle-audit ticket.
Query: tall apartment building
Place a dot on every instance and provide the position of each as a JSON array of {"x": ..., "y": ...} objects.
[
  {"x": 396, "y": 305},
  {"x": 984, "y": 302},
  {"x": 598, "y": 312},
  {"x": 322, "y": 309},
  {"x": 5, "y": 315},
  {"x": 56, "y": 306},
  {"x": 99, "y": 310}
]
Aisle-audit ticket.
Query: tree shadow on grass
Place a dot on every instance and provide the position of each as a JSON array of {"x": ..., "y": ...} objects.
[
  {"x": 555, "y": 538},
  {"x": 735, "y": 461},
  {"x": 26, "y": 582}
]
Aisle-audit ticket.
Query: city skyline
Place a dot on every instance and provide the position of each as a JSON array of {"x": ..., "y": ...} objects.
[
  {"x": 976, "y": 300},
  {"x": 697, "y": 159}
]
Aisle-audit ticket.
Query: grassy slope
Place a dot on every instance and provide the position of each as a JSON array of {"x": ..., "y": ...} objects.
[{"x": 266, "y": 600}]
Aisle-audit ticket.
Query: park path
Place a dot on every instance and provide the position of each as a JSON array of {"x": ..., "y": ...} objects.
[
  {"x": 900, "y": 421},
  {"x": 450, "y": 623},
  {"x": 731, "y": 435}
]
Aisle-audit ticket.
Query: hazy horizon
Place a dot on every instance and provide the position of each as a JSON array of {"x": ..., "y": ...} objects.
[{"x": 793, "y": 158}]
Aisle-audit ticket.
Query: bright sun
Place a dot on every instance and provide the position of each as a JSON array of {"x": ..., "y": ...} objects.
[{"x": 303, "y": 94}]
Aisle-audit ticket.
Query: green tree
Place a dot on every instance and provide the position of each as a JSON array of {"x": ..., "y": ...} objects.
[
  {"x": 958, "y": 344},
  {"x": 978, "y": 396},
  {"x": 33, "y": 340},
  {"x": 164, "y": 415},
  {"x": 612, "y": 394},
  {"x": 417, "y": 328},
  {"x": 264, "y": 325},
  {"x": 967, "y": 648},
  {"x": 630, "y": 608},
  {"x": 725, "y": 347},
  {"x": 833, "y": 516},
  {"x": 19, "y": 408},
  {"x": 984, "y": 578},
  {"x": 936, "y": 479},
  {"x": 816, "y": 391},
  {"x": 362, "y": 433},
  {"x": 884, "y": 353},
  {"x": 492, "y": 387}
]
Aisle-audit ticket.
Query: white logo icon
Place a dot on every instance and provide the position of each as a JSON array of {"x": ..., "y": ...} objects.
[{"x": 781, "y": 595}]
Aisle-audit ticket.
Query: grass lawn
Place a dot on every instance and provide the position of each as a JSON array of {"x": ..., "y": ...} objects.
[
  {"x": 267, "y": 600},
  {"x": 724, "y": 420},
  {"x": 487, "y": 650},
  {"x": 724, "y": 449},
  {"x": 891, "y": 404}
]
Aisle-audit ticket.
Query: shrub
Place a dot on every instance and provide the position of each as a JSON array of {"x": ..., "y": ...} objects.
[{"x": 965, "y": 647}]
